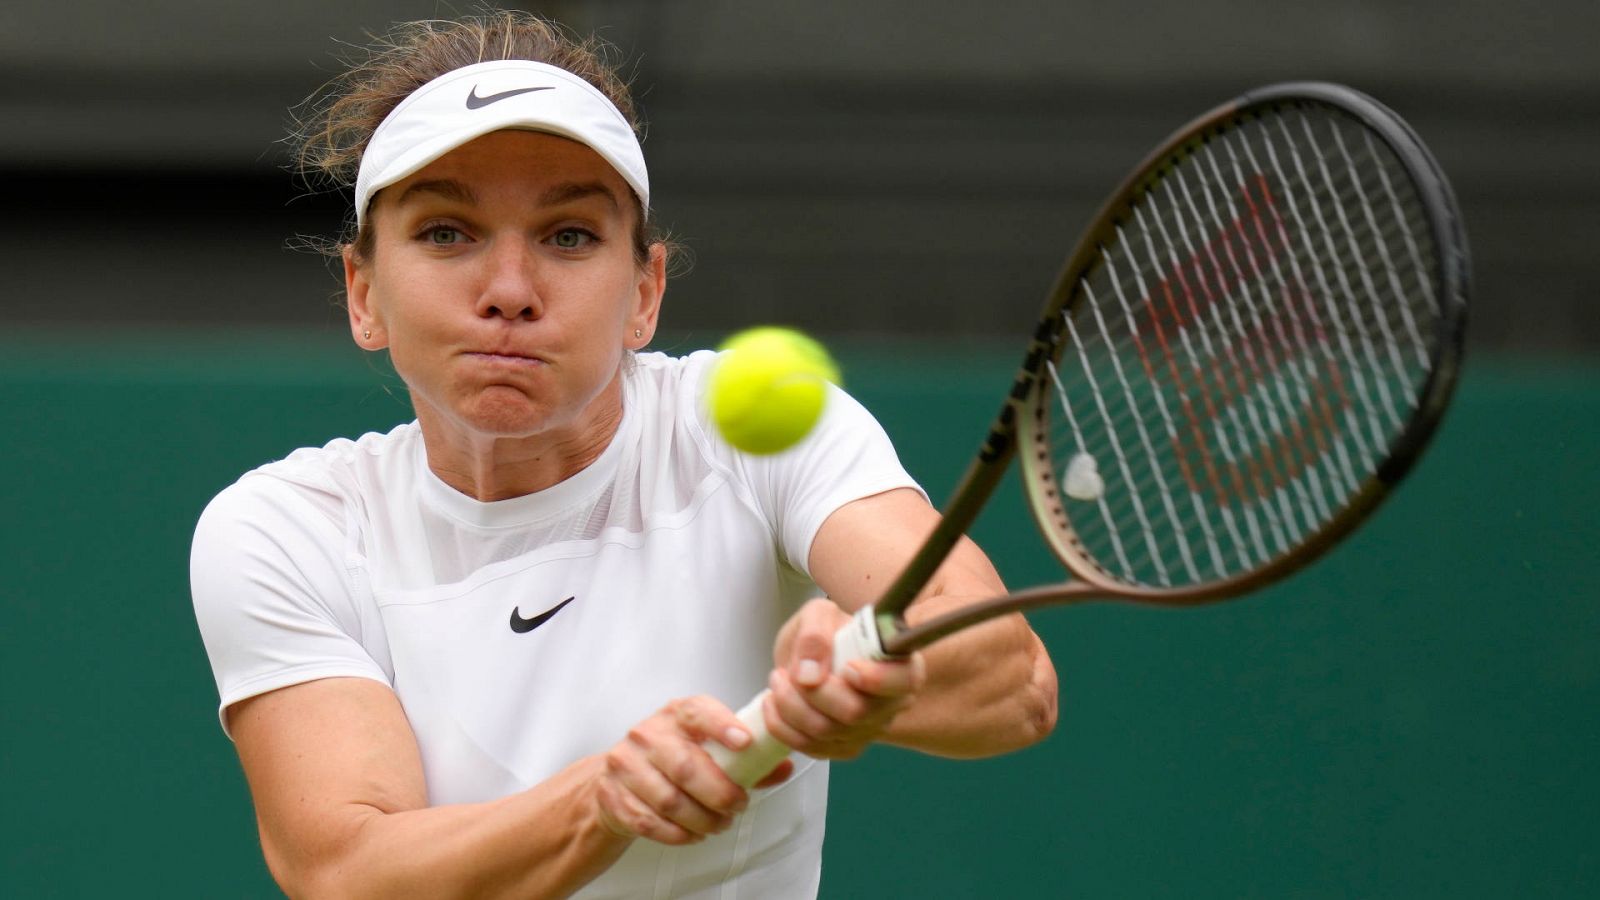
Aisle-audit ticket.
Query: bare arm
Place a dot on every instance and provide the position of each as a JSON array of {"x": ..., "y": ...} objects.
[
  {"x": 342, "y": 807},
  {"x": 988, "y": 689}
]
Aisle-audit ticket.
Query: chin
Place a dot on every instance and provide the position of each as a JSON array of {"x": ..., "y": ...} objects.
[
  {"x": 508, "y": 416},
  {"x": 508, "y": 425}
]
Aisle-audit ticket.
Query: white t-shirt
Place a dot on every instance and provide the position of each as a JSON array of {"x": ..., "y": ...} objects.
[{"x": 676, "y": 559}]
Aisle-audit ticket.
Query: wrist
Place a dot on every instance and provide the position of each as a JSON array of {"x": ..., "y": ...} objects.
[{"x": 599, "y": 824}]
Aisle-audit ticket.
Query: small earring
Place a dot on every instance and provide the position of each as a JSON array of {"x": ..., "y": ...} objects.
[
  {"x": 637, "y": 333},
  {"x": 367, "y": 334}
]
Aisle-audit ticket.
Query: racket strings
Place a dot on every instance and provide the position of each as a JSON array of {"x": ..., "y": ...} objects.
[
  {"x": 1313, "y": 330},
  {"x": 1279, "y": 345},
  {"x": 1247, "y": 346},
  {"x": 1338, "y": 283},
  {"x": 1229, "y": 376}
]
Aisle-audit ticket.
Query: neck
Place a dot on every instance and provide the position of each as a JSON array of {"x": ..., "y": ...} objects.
[{"x": 499, "y": 467}]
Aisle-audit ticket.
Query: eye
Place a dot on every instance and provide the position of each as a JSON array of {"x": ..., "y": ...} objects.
[
  {"x": 573, "y": 238},
  {"x": 442, "y": 235}
]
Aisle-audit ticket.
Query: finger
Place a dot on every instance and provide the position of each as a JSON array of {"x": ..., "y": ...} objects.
[
  {"x": 791, "y": 719},
  {"x": 708, "y": 798},
  {"x": 662, "y": 764},
  {"x": 839, "y": 704},
  {"x": 658, "y": 786},
  {"x": 890, "y": 678},
  {"x": 624, "y": 813},
  {"x": 707, "y": 719},
  {"x": 812, "y": 650},
  {"x": 687, "y": 765}
]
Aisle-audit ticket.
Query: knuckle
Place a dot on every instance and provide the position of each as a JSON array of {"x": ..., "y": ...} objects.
[
  {"x": 672, "y": 805},
  {"x": 610, "y": 802},
  {"x": 731, "y": 797},
  {"x": 681, "y": 768},
  {"x": 722, "y": 799},
  {"x": 615, "y": 764},
  {"x": 696, "y": 714},
  {"x": 791, "y": 738},
  {"x": 781, "y": 690},
  {"x": 627, "y": 812},
  {"x": 815, "y": 724},
  {"x": 802, "y": 740},
  {"x": 853, "y": 711},
  {"x": 650, "y": 827},
  {"x": 696, "y": 710},
  {"x": 639, "y": 820}
]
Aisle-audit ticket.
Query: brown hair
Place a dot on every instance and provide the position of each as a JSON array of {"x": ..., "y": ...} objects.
[{"x": 333, "y": 126}]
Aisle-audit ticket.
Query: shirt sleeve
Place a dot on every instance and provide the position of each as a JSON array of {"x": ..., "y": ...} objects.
[
  {"x": 846, "y": 457},
  {"x": 273, "y": 595}
]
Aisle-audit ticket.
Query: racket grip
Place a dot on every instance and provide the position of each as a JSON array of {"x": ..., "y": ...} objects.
[{"x": 858, "y": 639}]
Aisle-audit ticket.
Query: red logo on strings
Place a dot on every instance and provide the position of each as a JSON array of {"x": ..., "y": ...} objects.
[{"x": 1227, "y": 321}]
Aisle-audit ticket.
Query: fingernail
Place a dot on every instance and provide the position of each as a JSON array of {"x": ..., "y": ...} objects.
[
  {"x": 735, "y": 737},
  {"x": 808, "y": 672},
  {"x": 852, "y": 676}
]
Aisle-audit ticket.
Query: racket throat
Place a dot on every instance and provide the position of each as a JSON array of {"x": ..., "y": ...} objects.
[{"x": 863, "y": 637}]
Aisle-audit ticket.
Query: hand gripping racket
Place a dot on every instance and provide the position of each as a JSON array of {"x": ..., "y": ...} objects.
[{"x": 1248, "y": 349}]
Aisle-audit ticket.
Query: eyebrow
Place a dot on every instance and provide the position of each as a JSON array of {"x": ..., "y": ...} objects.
[
  {"x": 567, "y": 192},
  {"x": 570, "y": 191},
  {"x": 447, "y": 188}
]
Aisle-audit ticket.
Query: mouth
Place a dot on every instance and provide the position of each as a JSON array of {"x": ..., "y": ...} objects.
[{"x": 505, "y": 358}]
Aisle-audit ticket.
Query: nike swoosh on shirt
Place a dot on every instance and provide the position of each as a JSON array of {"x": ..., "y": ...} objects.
[
  {"x": 523, "y": 626},
  {"x": 476, "y": 102}
]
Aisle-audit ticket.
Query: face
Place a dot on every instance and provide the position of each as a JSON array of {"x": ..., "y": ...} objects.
[{"x": 504, "y": 284}]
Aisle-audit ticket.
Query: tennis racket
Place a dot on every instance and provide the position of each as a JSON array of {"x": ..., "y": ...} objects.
[{"x": 1248, "y": 349}]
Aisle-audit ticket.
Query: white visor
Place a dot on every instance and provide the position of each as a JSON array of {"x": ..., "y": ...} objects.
[{"x": 470, "y": 102}]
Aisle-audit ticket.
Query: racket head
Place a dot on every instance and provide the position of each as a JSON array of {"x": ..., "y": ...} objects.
[{"x": 1248, "y": 349}]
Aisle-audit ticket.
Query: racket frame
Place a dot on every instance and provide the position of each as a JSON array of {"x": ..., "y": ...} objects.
[{"x": 1019, "y": 427}]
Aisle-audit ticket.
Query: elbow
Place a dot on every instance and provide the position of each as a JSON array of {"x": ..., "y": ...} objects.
[
  {"x": 297, "y": 884},
  {"x": 327, "y": 875},
  {"x": 1039, "y": 698},
  {"x": 308, "y": 882},
  {"x": 321, "y": 883},
  {"x": 294, "y": 880}
]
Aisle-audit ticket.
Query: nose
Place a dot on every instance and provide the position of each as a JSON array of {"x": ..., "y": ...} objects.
[{"x": 510, "y": 288}]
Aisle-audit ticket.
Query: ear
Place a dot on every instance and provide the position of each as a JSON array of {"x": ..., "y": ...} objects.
[
  {"x": 651, "y": 286},
  {"x": 365, "y": 324}
]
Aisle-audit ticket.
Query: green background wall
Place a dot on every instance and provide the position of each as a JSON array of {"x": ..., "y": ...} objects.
[{"x": 1417, "y": 716}]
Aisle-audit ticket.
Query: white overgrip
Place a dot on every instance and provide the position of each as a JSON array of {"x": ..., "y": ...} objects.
[{"x": 858, "y": 639}]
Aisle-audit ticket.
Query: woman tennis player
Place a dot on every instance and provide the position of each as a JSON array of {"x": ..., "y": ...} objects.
[{"x": 479, "y": 655}]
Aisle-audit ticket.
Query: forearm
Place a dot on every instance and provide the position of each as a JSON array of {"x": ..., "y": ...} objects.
[
  {"x": 990, "y": 689},
  {"x": 547, "y": 841}
]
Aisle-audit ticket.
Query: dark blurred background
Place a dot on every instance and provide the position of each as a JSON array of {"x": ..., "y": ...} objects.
[
  {"x": 902, "y": 168},
  {"x": 1416, "y": 716}
]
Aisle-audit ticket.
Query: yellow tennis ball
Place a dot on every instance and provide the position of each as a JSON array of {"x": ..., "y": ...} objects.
[{"x": 768, "y": 388}]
